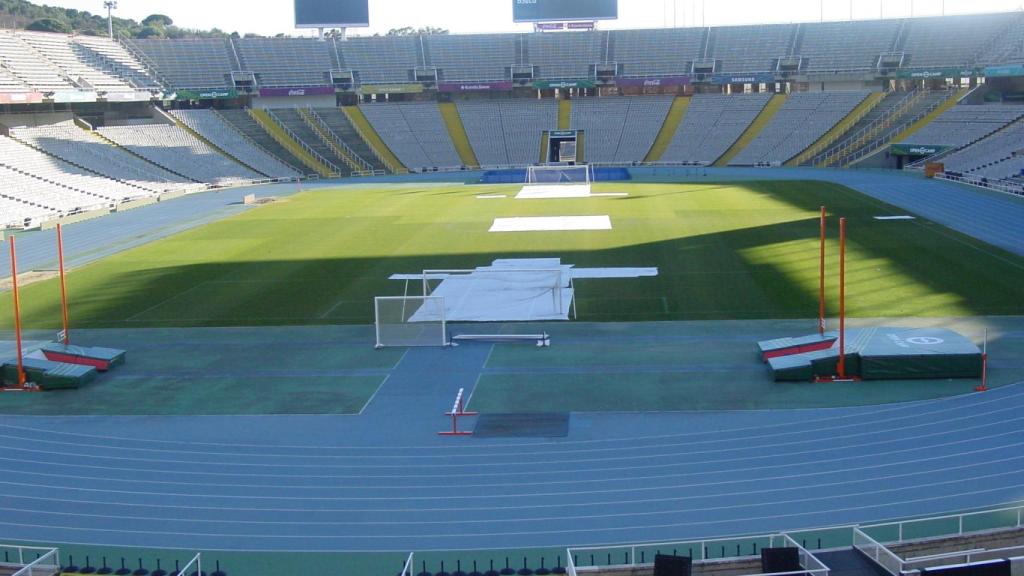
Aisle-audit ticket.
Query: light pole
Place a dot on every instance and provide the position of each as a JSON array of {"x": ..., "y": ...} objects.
[{"x": 110, "y": 5}]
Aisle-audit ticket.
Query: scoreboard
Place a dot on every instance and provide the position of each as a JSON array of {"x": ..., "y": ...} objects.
[
  {"x": 564, "y": 10},
  {"x": 332, "y": 13}
]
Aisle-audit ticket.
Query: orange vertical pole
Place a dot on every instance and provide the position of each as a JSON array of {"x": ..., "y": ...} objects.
[
  {"x": 842, "y": 298},
  {"x": 821, "y": 277},
  {"x": 17, "y": 314},
  {"x": 63, "y": 285}
]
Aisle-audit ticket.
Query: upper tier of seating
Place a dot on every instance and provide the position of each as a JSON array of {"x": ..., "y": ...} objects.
[
  {"x": 949, "y": 41},
  {"x": 58, "y": 62}
]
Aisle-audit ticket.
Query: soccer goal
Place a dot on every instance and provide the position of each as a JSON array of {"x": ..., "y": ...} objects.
[
  {"x": 410, "y": 321},
  {"x": 557, "y": 181}
]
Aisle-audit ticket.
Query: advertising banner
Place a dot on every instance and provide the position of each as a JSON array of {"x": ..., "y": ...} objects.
[
  {"x": 916, "y": 149},
  {"x": 75, "y": 96},
  {"x": 311, "y": 91},
  {"x": 21, "y": 97},
  {"x": 667, "y": 82},
  {"x": 391, "y": 88},
  {"x": 723, "y": 79},
  {"x": 562, "y": 84},
  {"x": 475, "y": 87},
  {"x": 938, "y": 73},
  {"x": 564, "y": 10},
  {"x": 209, "y": 94},
  {"x": 1004, "y": 71}
]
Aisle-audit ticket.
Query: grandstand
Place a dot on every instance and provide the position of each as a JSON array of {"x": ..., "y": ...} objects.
[
  {"x": 803, "y": 119},
  {"x": 238, "y": 308},
  {"x": 416, "y": 133},
  {"x": 177, "y": 151},
  {"x": 712, "y": 124},
  {"x": 218, "y": 132}
]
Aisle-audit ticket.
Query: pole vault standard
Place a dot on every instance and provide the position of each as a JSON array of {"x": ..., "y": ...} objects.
[
  {"x": 821, "y": 276},
  {"x": 17, "y": 316},
  {"x": 841, "y": 375},
  {"x": 66, "y": 334}
]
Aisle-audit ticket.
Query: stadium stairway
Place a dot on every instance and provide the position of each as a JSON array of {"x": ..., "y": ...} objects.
[
  {"x": 922, "y": 112},
  {"x": 669, "y": 128},
  {"x": 457, "y": 132},
  {"x": 363, "y": 127},
  {"x": 315, "y": 123},
  {"x": 202, "y": 139},
  {"x": 931, "y": 116},
  {"x": 565, "y": 114},
  {"x": 840, "y": 129},
  {"x": 263, "y": 119},
  {"x": 755, "y": 128}
]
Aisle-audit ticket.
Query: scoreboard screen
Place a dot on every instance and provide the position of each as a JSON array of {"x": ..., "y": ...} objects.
[
  {"x": 564, "y": 10},
  {"x": 332, "y": 13}
]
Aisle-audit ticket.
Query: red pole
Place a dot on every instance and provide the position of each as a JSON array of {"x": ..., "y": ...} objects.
[
  {"x": 17, "y": 314},
  {"x": 842, "y": 298},
  {"x": 821, "y": 278},
  {"x": 63, "y": 284}
]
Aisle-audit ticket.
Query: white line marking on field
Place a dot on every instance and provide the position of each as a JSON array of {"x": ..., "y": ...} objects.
[
  {"x": 374, "y": 395},
  {"x": 895, "y": 218},
  {"x": 134, "y": 317},
  {"x": 491, "y": 196},
  {"x": 552, "y": 224}
]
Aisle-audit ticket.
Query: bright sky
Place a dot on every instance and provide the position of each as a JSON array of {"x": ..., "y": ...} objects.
[{"x": 269, "y": 17}]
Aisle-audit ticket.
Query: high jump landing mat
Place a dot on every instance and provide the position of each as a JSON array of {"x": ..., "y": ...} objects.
[{"x": 875, "y": 354}]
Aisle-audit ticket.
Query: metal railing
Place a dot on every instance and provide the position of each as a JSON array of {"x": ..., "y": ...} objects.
[
  {"x": 333, "y": 168},
  {"x": 746, "y": 548},
  {"x": 979, "y": 182},
  {"x": 849, "y": 141},
  {"x": 877, "y": 551},
  {"x": 880, "y": 142},
  {"x": 383, "y": 160},
  {"x": 332, "y": 139},
  {"x": 31, "y": 560}
]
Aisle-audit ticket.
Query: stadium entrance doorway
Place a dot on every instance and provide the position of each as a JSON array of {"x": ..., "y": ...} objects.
[{"x": 563, "y": 147}]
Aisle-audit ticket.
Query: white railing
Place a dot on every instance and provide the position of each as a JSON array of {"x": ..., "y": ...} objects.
[
  {"x": 408, "y": 569},
  {"x": 979, "y": 182},
  {"x": 877, "y": 551},
  {"x": 31, "y": 560}
]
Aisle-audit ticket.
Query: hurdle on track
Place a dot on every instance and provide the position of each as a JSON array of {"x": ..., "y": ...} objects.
[
  {"x": 458, "y": 411},
  {"x": 542, "y": 340},
  {"x": 984, "y": 366}
]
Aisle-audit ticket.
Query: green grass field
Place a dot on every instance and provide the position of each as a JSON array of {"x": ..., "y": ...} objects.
[{"x": 725, "y": 251}]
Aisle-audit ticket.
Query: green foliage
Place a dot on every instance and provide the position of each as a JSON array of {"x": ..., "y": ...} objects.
[
  {"x": 158, "y": 20},
  {"x": 410, "y": 31},
  {"x": 49, "y": 25},
  {"x": 24, "y": 14}
]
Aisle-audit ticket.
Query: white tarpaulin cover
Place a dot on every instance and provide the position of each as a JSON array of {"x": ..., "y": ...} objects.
[{"x": 552, "y": 224}]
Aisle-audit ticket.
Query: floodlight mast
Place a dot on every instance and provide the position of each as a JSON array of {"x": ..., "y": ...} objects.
[{"x": 110, "y": 5}]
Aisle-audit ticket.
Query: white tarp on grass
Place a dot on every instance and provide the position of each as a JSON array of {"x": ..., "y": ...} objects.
[
  {"x": 552, "y": 224},
  {"x": 543, "y": 192},
  {"x": 506, "y": 294}
]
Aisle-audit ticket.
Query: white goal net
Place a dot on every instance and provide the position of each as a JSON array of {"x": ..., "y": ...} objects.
[
  {"x": 557, "y": 181},
  {"x": 410, "y": 321}
]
